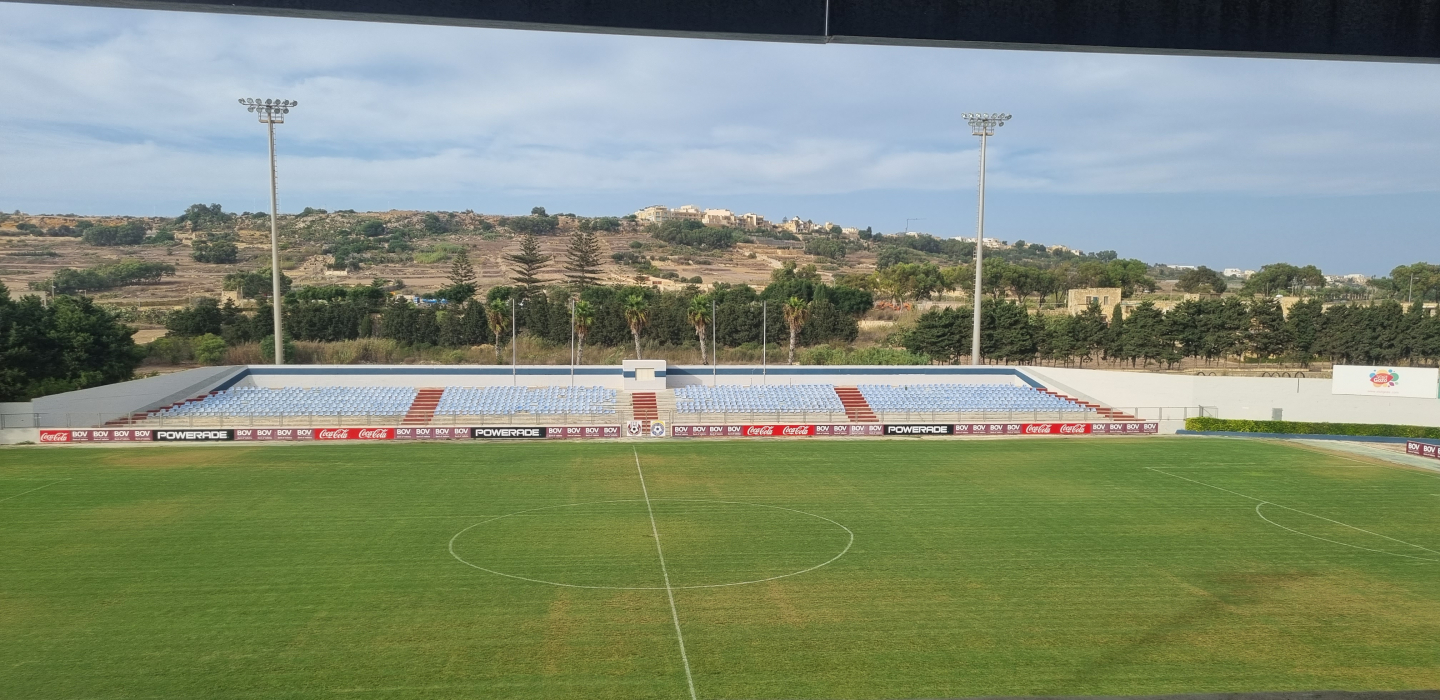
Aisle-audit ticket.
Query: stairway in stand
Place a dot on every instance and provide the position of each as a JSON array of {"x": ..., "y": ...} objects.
[
  {"x": 422, "y": 409},
  {"x": 644, "y": 408},
  {"x": 1109, "y": 413},
  {"x": 857, "y": 409}
]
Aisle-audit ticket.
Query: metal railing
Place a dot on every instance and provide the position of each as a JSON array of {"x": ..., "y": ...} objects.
[
  {"x": 1144, "y": 413},
  {"x": 670, "y": 416}
]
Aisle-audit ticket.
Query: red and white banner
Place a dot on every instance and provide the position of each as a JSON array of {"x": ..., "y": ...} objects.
[
  {"x": 354, "y": 433},
  {"x": 55, "y": 436},
  {"x": 431, "y": 433},
  {"x": 742, "y": 431},
  {"x": 1056, "y": 428},
  {"x": 1422, "y": 449},
  {"x": 585, "y": 431}
]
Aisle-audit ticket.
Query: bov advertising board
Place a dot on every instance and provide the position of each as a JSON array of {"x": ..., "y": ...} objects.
[{"x": 1382, "y": 380}]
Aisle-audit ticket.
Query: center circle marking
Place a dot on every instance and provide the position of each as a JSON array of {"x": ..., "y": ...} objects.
[{"x": 848, "y": 543}]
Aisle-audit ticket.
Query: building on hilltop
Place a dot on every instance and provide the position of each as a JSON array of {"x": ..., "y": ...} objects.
[
  {"x": 1077, "y": 300},
  {"x": 659, "y": 214},
  {"x": 653, "y": 214},
  {"x": 796, "y": 226},
  {"x": 719, "y": 217},
  {"x": 687, "y": 212},
  {"x": 753, "y": 221}
]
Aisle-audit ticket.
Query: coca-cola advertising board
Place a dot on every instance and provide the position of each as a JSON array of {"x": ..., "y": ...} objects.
[
  {"x": 354, "y": 433},
  {"x": 1056, "y": 428},
  {"x": 54, "y": 436},
  {"x": 777, "y": 430}
]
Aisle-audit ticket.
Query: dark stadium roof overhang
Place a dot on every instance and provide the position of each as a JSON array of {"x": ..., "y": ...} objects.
[{"x": 1386, "y": 30}]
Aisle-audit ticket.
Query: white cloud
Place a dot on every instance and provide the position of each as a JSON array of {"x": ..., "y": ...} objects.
[{"x": 112, "y": 109}]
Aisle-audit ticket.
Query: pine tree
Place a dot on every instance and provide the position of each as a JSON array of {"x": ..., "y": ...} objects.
[
  {"x": 582, "y": 259},
  {"x": 461, "y": 272},
  {"x": 528, "y": 264}
]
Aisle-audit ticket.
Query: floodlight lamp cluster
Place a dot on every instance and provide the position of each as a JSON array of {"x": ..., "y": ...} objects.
[
  {"x": 984, "y": 123},
  {"x": 269, "y": 110}
]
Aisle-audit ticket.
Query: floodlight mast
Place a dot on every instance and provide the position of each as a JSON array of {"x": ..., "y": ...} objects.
[
  {"x": 272, "y": 112},
  {"x": 982, "y": 124}
]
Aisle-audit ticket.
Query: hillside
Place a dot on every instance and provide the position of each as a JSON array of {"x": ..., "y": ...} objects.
[{"x": 406, "y": 249}]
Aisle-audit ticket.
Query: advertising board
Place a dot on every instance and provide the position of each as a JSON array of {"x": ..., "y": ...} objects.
[
  {"x": 920, "y": 429},
  {"x": 855, "y": 429},
  {"x": 1380, "y": 380},
  {"x": 210, "y": 435},
  {"x": 431, "y": 433},
  {"x": 777, "y": 430},
  {"x": 508, "y": 433},
  {"x": 54, "y": 436},
  {"x": 736, "y": 431},
  {"x": 354, "y": 433},
  {"x": 1422, "y": 449}
]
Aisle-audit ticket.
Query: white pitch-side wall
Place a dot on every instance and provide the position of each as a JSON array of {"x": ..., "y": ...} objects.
[{"x": 1237, "y": 397}]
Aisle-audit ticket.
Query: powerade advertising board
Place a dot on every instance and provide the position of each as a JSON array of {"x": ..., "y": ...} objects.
[
  {"x": 508, "y": 433},
  {"x": 192, "y": 435},
  {"x": 937, "y": 429}
]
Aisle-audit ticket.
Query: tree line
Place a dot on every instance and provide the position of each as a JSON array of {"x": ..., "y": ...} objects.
[
  {"x": 1207, "y": 329},
  {"x": 795, "y": 302},
  {"x": 65, "y": 345}
]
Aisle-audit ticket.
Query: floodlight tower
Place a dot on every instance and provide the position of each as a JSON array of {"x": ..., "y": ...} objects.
[
  {"x": 982, "y": 124},
  {"x": 272, "y": 112}
]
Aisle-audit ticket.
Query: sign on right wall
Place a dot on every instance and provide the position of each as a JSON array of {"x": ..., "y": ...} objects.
[{"x": 1382, "y": 380}]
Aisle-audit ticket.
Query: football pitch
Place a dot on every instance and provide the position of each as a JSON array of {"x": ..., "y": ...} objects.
[{"x": 672, "y": 569}]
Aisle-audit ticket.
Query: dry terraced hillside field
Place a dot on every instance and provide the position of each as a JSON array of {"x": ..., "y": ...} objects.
[{"x": 803, "y": 569}]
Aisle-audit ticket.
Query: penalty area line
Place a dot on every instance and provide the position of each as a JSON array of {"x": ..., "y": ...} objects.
[
  {"x": 1262, "y": 502},
  {"x": 665, "y": 574}
]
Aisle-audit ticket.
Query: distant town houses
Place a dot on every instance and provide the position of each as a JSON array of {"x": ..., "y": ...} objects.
[{"x": 659, "y": 213}]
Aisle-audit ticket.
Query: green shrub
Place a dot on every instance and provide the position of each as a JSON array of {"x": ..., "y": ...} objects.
[
  {"x": 267, "y": 349},
  {"x": 828, "y": 355},
  {"x": 209, "y": 349},
  {"x": 170, "y": 350},
  {"x": 1300, "y": 428}
]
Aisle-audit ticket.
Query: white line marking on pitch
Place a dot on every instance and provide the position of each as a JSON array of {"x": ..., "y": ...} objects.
[
  {"x": 1343, "y": 544},
  {"x": 37, "y": 488},
  {"x": 1261, "y": 502},
  {"x": 669, "y": 592},
  {"x": 848, "y": 544}
]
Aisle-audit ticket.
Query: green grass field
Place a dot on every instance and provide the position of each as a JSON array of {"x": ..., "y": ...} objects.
[{"x": 1000, "y": 567}]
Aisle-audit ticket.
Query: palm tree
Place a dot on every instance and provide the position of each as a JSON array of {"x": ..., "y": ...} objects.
[
  {"x": 699, "y": 315},
  {"x": 797, "y": 312},
  {"x": 584, "y": 318},
  {"x": 498, "y": 314},
  {"x": 637, "y": 314}
]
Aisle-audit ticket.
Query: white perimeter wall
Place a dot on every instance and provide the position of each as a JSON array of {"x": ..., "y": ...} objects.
[
  {"x": 437, "y": 376},
  {"x": 1237, "y": 397},
  {"x": 842, "y": 375}
]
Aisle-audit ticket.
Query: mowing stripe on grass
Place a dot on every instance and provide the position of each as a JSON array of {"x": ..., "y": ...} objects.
[
  {"x": 669, "y": 592},
  {"x": 1263, "y": 502}
]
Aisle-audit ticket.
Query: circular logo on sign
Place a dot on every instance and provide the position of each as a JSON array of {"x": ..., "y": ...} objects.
[
  {"x": 1384, "y": 377},
  {"x": 657, "y": 429},
  {"x": 633, "y": 428}
]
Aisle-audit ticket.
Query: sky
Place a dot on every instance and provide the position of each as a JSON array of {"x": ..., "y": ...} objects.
[{"x": 1183, "y": 160}]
